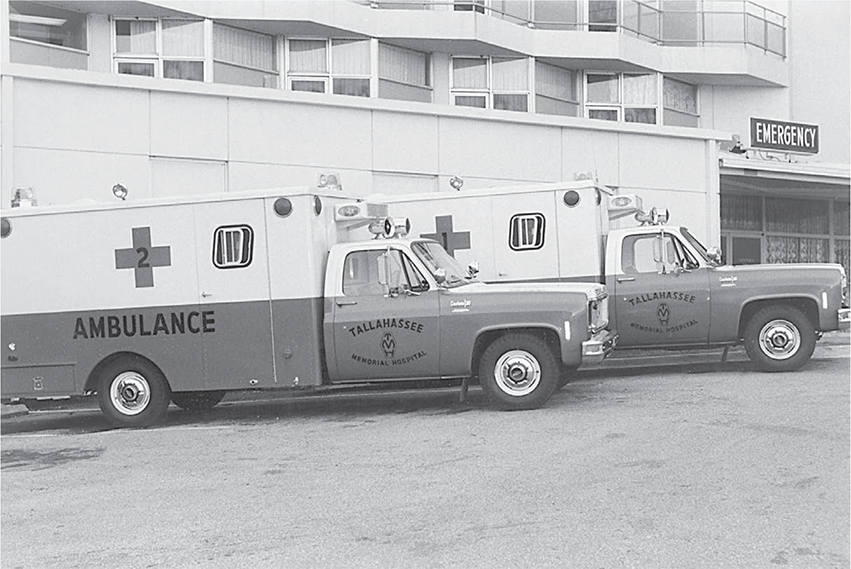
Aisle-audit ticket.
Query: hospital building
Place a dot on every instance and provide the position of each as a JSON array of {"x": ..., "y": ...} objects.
[{"x": 734, "y": 115}]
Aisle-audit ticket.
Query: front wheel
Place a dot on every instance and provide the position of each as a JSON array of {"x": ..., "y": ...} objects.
[
  {"x": 132, "y": 392},
  {"x": 780, "y": 338},
  {"x": 518, "y": 371}
]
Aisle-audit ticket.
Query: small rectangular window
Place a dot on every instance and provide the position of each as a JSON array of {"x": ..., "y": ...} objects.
[
  {"x": 142, "y": 68},
  {"x": 526, "y": 232},
  {"x": 233, "y": 246}
]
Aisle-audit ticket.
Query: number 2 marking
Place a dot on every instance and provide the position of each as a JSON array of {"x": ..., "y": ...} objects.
[{"x": 143, "y": 259}]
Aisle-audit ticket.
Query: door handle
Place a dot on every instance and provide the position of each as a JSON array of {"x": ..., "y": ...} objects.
[
  {"x": 206, "y": 294},
  {"x": 346, "y": 302},
  {"x": 625, "y": 279}
]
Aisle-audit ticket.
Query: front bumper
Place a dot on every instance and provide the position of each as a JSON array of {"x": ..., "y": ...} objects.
[
  {"x": 844, "y": 318},
  {"x": 598, "y": 347}
]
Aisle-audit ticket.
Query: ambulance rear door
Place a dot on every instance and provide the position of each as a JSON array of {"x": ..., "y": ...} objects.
[
  {"x": 525, "y": 236},
  {"x": 233, "y": 285}
]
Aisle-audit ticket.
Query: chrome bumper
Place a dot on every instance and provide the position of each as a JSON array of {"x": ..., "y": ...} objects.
[
  {"x": 598, "y": 347},
  {"x": 844, "y": 317}
]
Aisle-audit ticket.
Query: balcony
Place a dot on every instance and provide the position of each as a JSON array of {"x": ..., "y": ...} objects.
[{"x": 681, "y": 24}]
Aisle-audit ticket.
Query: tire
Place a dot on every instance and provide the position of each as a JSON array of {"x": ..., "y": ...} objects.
[
  {"x": 518, "y": 371},
  {"x": 779, "y": 338},
  {"x": 133, "y": 392},
  {"x": 197, "y": 400}
]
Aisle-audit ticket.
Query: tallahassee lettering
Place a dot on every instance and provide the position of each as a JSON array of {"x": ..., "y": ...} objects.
[
  {"x": 665, "y": 295},
  {"x": 129, "y": 325},
  {"x": 379, "y": 324}
]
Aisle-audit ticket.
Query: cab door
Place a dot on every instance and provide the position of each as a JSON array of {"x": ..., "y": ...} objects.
[
  {"x": 662, "y": 293},
  {"x": 381, "y": 333}
]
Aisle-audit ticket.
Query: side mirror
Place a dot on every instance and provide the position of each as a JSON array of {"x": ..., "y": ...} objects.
[
  {"x": 714, "y": 254},
  {"x": 440, "y": 275}
]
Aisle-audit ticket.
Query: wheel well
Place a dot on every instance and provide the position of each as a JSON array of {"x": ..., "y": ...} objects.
[
  {"x": 806, "y": 305},
  {"x": 485, "y": 339},
  {"x": 92, "y": 380}
]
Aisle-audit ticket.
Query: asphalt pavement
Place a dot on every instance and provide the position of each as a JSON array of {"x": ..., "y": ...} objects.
[{"x": 832, "y": 345}]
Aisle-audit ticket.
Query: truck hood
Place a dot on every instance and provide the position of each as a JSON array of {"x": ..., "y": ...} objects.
[
  {"x": 594, "y": 291},
  {"x": 783, "y": 276},
  {"x": 782, "y": 269}
]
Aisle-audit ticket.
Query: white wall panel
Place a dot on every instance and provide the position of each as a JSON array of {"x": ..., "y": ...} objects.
[
  {"x": 588, "y": 150},
  {"x": 80, "y": 117},
  {"x": 659, "y": 162},
  {"x": 491, "y": 149},
  {"x": 189, "y": 126},
  {"x": 298, "y": 134},
  {"x": 405, "y": 142}
]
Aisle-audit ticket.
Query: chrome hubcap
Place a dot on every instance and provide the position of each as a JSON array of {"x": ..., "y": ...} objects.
[
  {"x": 130, "y": 393},
  {"x": 779, "y": 339},
  {"x": 517, "y": 373}
]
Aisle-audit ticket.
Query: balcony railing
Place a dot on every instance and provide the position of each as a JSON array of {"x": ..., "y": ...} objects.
[{"x": 680, "y": 24}]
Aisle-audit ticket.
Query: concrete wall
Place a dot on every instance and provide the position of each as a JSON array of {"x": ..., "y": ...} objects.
[{"x": 75, "y": 137}]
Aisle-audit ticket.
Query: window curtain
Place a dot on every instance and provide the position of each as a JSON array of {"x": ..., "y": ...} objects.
[
  {"x": 640, "y": 90},
  {"x": 741, "y": 213},
  {"x": 679, "y": 96},
  {"x": 241, "y": 47},
  {"x": 183, "y": 38},
  {"x": 796, "y": 216},
  {"x": 402, "y": 65},
  {"x": 350, "y": 57},
  {"x": 510, "y": 74},
  {"x": 469, "y": 74},
  {"x": 555, "y": 82},
  {"x": 308, "y": 56},
  {"x": 137, "y": 37},
  {"x": 603, "y": 89}
]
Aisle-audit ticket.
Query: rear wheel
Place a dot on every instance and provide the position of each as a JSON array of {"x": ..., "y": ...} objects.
[
  {"x": 780, "y": 338},
  {"x": 518, "y": 371},
  {"x": 132, "y": 392},
  {"x": 197, "y": 400}
]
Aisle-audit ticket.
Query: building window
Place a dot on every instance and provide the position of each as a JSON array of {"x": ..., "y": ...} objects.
[
  {"x": 602, "y": 15},
  {"x": 244, "y": 48},
  {"x": 623, "y": 97},
  {"x": 491, "y": 83},
  {"x": 169, "y": 48},
  {"x": 767, "y": 229},
  {"x": 679, "y": 102},
  {"x": 555, "y": 90},
  {"x": 48, "y": 25},
  {"x": 404, "y": 74},
  {"x": 341, "y": 65}
]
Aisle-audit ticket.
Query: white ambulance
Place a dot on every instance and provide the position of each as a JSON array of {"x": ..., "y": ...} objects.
[
  {"x": 666, "y": 289},
  {"x": 183, "y": 299}
]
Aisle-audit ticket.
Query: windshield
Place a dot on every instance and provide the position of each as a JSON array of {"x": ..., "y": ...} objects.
[
  {"x": 435, "y": 257},
  {"x": 698, "y": 246}
]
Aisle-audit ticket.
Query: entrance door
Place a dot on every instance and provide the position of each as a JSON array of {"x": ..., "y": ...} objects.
[
  {"x": 385, "y": 335},
  {"x": 662, "y": 295}
]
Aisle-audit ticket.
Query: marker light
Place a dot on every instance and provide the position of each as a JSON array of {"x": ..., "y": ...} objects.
[
  {"x": 571, "y": 198},
  {"x": 349, "y": 210},
  {"x": 5, "y": 227},
  {"x": 283, "y": 207}
]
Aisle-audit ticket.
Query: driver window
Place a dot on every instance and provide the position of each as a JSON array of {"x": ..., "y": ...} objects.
[
  {"x": 360, "y": 274},
  {"x": 637, "y": 254}
]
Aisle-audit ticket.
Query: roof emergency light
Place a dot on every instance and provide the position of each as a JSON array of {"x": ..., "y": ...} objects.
[
  {"x": 23, "y": 197},
  {"x": 330, "y": 181},
  {"x": 390, "y": 227},
  {"x": 655, "y": 216}
]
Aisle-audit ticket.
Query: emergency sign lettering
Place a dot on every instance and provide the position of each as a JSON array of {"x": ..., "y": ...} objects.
[{"x": 129, "y": 325}]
